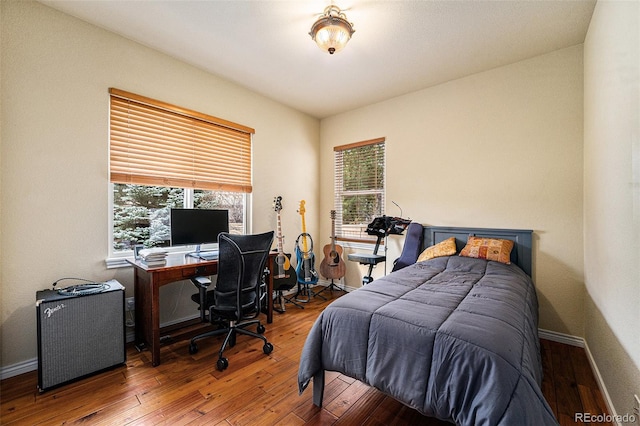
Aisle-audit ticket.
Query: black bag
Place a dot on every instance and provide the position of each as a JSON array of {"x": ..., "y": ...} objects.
[{"x": 385, "y": 225}]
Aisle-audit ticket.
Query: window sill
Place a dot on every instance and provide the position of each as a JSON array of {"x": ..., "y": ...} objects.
[
  {"x": 121, "y": 260},
  {"x": 357, "y": 245}
]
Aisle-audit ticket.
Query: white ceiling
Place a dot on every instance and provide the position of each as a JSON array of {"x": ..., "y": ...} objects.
[{"x": 398, "y": 47}]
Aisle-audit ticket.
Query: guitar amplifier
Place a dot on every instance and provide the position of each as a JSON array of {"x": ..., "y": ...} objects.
[{"x": 79, "y": 332}]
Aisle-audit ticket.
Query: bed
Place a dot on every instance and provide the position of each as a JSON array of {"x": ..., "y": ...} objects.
[{"x": 452, "y": 337}]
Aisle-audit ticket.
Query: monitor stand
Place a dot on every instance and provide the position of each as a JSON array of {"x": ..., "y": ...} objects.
[{"x": 195, "y": 253}]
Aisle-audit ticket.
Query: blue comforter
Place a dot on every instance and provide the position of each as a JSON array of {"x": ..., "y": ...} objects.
[{"x": 455, "y": 338}]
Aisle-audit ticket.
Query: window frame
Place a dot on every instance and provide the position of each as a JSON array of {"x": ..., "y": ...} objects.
[
  {"x": 339, "y": 191},
  {"x": 118, "y": 259},
  {"x": 230, "y": 135}
]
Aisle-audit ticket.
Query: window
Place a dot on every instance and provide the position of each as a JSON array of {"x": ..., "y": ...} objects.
[
  {"x": 141, "y": 213},
  {"x": 359, "y": 187},
  {"x": 163, "y": 156}
]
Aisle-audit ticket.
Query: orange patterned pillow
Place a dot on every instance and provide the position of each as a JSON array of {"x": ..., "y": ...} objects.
[
  {"x": 444, "y": 248},
  {"x": 488, "y": 248}
]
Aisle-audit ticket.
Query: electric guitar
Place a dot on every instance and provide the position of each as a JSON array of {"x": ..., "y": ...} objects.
[
  {"x": 283, "y": 276},
  {"x": 332, "y": 266},
  {"x": 305, "y": 268}
]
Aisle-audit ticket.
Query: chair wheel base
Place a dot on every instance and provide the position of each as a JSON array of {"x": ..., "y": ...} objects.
[
  {"x": 222, "y": 364},
  {"x": 267, "y": 348},
  {"x": 261, "y": 329},
  {"x": 193, "y": 348}
]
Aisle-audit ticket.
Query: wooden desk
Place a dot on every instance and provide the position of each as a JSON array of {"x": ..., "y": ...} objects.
[{"x": 147, "y": 283}]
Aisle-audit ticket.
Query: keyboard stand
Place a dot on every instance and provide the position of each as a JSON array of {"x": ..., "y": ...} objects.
[{"x": 369, "y": 259}]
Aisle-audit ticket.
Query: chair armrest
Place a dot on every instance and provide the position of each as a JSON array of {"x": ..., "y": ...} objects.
[{"x": 201, "y": 282}]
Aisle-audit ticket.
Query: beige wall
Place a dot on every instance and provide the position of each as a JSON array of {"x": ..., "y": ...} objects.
[
  {"x": 503, "y": 148},
  {"x": 56, "y": 71},
  {"x": 499, "y": 149},
  {"x": 612, "y": 196}
]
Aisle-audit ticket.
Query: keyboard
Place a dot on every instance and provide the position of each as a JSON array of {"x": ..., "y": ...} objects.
[{"x": 209, "y": 255}]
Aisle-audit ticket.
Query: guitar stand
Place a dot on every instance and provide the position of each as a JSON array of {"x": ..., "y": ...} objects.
[
  {"x": 281, "y": 300},
  {"x": 306, "y": 289},
  {"x": 331, "y": 287}
]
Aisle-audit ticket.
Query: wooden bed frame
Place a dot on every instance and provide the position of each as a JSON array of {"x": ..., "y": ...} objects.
[{"x": 521, "y": 254}]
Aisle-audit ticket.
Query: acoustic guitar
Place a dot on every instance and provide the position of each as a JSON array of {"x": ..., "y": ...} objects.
[
  {"x": 283, "y": 274},
  {"x": 305, "y": 269},
  {"x": 332, "y": 266}
]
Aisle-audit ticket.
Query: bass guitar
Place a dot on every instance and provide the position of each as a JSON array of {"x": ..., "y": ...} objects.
[
  {"x": 305, "y": 269},
  {"x": 282, "y": 270},
  {"x": 332, "y": 266},
  {"x": 284, "y": 276}
]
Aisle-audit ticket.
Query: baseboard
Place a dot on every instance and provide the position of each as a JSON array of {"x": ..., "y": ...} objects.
[
  {"x": 19, "y": 368},
  {"x": 580, "y": 342},
  {"x": 32, "y": 364},
  {"x": 561, "y": 338},
  {"x": 603, "y": 388}
]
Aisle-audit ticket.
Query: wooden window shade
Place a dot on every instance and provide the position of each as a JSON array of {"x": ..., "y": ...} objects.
[
  {"x": 359, "y": 187},
  {"x": 154, "y": 143}
]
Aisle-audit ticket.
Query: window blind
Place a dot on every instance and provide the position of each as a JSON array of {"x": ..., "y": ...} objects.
[
  {"x": 155, "y": 143},
  {"x": 359, "y": 187}
]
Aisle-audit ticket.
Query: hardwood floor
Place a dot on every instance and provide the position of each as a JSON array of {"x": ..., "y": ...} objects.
[{"x": 255, "y": 389}]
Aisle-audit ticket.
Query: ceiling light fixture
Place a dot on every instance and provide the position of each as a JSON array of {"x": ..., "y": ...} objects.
[{"x": 332, "y": 31}]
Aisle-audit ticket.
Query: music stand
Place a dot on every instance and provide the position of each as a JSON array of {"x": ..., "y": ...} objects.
[{"x": 381, "y": 227}]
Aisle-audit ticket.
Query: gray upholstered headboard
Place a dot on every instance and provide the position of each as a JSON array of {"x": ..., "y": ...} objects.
[{"x": 521, "y": 254}]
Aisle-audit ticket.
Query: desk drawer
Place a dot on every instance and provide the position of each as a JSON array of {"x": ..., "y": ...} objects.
[{"x": 199, "y": 270}]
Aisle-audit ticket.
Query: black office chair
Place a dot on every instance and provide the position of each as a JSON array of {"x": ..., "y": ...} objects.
[{"x": 236, "y": 298}]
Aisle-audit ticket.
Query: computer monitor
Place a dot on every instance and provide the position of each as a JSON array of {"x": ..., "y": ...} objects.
[{"x": 197, "y": 226}]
